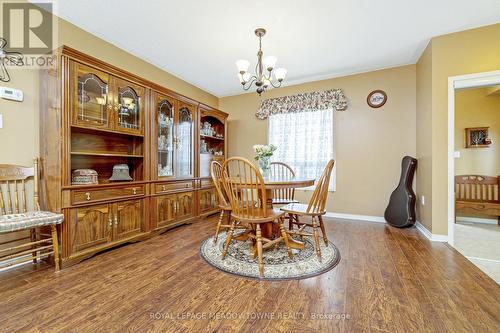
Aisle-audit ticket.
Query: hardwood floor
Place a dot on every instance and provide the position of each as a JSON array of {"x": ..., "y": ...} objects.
[{"x": 388, "y": 280}]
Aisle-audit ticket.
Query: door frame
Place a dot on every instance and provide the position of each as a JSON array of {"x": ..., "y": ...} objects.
[{"x": 476, "y": 80}]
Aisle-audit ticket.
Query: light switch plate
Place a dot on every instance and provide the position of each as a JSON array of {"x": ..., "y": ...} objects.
[
  {"x": 456, "y": 154},
  {"x": 1, "y": 120}
]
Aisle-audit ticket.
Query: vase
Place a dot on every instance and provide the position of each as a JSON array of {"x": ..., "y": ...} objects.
[{"x": 264, "y": 166}]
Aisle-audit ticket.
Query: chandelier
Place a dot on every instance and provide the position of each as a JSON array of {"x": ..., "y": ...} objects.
[{"x": 264, "y": 70}]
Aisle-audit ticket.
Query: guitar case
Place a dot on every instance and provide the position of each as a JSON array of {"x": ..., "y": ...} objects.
[{"x": 401, "y": 209}]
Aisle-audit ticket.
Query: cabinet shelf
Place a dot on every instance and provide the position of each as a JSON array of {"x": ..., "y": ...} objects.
[
  {"x": 213, "y": 155},
  {"x": 103, "y": 130},
  {"x": 211, "y": 137},
  {"x": 86, "y": 153}
]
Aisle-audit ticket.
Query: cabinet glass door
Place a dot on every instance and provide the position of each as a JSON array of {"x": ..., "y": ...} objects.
[
  {"x": 165, "y": 132},
  {"x": 91, "y": 103},
  {"x": 185, "y": 146},
  {"x": 128, "y": 106}
]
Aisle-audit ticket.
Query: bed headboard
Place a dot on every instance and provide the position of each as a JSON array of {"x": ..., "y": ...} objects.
[{"x": 477, "y": 188}]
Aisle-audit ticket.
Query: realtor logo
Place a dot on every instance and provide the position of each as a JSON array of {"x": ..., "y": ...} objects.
[{"x": 27, "y": 27}]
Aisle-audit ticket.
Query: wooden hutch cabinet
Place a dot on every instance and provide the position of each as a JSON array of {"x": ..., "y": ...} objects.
[
  {"x": 213, "y": 146},
  {"x": 95, "y": 116}
]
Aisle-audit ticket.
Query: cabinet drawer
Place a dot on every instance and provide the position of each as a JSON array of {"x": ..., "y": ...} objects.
[
  {"x": 170, "y": 187},
  {"x": 206, "y": 183},
  {"x": 89, "y": 195}
]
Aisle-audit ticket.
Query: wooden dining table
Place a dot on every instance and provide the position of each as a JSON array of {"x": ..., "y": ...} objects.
[{"x": 270, "y": 230}]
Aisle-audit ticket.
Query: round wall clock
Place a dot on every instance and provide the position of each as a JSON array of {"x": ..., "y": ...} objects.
[{"x": 376, "y": 98}]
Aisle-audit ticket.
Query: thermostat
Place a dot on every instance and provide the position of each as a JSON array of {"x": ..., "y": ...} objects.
[{"x": 12, "y": 94}]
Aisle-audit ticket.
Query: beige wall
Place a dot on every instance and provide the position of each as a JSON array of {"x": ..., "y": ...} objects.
[
  {"x": 19, "y": 136},
  {"x": 475, "y": 108},
  {"x": 465, "y": 52},
  {"x": 369, "y": 142},
  {"x": 424, "y": 137}
]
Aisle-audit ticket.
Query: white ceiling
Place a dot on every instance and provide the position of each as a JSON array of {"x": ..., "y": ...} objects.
[{"x": 199, "y": 40}]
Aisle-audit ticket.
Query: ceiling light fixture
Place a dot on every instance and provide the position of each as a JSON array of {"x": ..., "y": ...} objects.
[{"x": 264, "y": 70}]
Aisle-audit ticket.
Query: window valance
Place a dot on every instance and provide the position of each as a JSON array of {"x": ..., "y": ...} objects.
[{"x": 318, "y": 100}]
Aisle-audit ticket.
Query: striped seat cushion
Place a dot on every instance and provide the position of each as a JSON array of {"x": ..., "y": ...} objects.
[{"x": 13, "y": 222}]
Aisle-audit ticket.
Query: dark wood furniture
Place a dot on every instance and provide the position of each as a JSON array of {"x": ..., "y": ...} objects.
[
  {"x": 19, "y": 212},
  {"x": 477, "y": 137},
  {"x": 95, "y": 115},
  {"x": 475, "y": 194},
  {"x": 314, "y": 210}
]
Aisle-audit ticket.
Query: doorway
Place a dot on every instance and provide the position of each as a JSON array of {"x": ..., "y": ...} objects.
[{"x": 474, "y": 169}]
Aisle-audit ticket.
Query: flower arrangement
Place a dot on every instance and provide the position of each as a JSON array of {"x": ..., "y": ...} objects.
[{"x": 264, "y": 151}]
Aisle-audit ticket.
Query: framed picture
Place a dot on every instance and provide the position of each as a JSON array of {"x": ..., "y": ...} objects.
[
  {"x": 477, "y": 137},
  {"x": 376, "y": 98}
]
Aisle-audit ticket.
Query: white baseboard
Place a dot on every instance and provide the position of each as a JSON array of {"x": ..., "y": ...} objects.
[
  {"x": 367, "y": 218},
  {"x": 484, "y": 259},
  {"x": 476, "y": 220},
  {"x": 429, "y": 235},
  {"x": 380, "y": 219}
]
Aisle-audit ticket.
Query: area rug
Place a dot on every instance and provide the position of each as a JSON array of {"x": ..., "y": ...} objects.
[{"x": 277, "y": 264}]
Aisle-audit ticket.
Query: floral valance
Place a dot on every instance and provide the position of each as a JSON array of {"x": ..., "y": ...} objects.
[{"x": 319, "y": 100}]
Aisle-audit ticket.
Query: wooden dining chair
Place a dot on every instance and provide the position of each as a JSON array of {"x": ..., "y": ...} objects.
[
  {"x": 224, "y": 205},
  {"x": 315, "y": 210},
  {"x": 247, "y": 194},
  {"x": 280, "y": 170},
  {"x": 15, "y": 217}
]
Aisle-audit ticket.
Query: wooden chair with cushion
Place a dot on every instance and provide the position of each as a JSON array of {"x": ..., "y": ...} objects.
[
  {"x": 247, "y": 194},
  {"x": 281, "y": 170},
  {"x": 225, "y": 207},
  {"x": 15, "y": 218},
  {"x": 315, "y": 210}
]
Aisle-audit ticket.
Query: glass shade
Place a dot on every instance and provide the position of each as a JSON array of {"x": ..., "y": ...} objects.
[
  {"x": 244, "y": 78},
  {"x": 270, "y": 62},
  {"x": 280, "y": 74},
  {"x": 242, "y": 65}
]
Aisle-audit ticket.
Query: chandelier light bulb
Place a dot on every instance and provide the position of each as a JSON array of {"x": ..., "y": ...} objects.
[
  {"x": 242, "y": 65},
  {"x": 280, "y": 74},
  {"x": 270, "y": 62},
  {"x": 266, "y": 83}
]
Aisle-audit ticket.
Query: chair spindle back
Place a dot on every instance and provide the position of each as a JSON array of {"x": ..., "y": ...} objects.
[
  {"x": 216, "y": 173},
  {"x": 282, "y": 171},
  {"x": 13, "y": 179},
  {"x": 245, "y": 188},
  {"x": 318, "y": 199}
]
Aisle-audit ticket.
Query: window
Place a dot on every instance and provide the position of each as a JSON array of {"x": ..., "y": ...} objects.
[{"x": 305, "y": 141}]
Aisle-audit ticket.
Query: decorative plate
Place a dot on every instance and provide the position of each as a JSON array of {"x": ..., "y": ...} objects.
[{"x": 376, "y": 98}]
